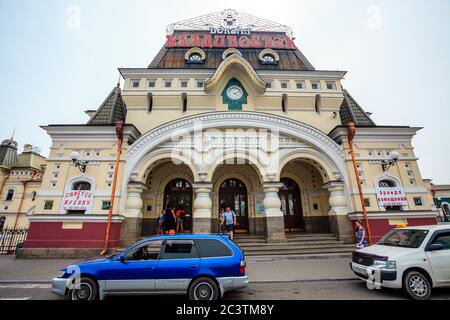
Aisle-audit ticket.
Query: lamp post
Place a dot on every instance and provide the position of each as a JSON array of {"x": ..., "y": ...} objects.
[
  {"x": 386, "y": 164},
  {"x": 119, "y": 133},
  {"x": 351, "y": 134},
  {"x": 80, "y": 164}
]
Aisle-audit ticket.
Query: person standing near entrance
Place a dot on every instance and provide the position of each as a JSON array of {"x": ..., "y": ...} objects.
[
  {"x": 229, "y": 219},
  {"x": 361, "y": 237},
  {"x": 170, "y": 220},
  {"x": 220, "y": 220},
  {"x": 180, "y": 219}
]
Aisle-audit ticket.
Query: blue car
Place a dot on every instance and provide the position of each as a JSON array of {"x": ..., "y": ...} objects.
[{"x": 202, "y": 266}]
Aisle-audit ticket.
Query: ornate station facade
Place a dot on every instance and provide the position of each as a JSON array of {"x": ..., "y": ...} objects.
[{"x": 228, "y": 113}]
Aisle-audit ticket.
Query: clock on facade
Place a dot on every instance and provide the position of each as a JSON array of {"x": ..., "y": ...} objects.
[{"x": 235, "y": 93}]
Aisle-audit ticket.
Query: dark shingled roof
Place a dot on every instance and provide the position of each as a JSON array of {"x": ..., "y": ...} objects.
[
  {"x": 111, "y": 110},
  {"x": 8, "y": 153},
  {"x": 352, "y": 111}
]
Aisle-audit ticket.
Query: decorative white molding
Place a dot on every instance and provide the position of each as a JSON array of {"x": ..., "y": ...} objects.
[{"x": 394, "y": 215}]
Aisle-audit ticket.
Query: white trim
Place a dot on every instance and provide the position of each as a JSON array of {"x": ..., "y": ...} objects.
[
  {"x": 81, "y": 218},
  {"x": 394, "y": 215}
]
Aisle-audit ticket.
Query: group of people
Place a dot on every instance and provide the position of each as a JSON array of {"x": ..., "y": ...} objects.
[{"x": 171, "y": 220}]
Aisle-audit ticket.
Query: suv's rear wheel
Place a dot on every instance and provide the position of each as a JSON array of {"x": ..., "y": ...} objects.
[
  {"x": 87, "y": 289},
  {"x": 416, "y": 285},
  {"x": 203, "y": 289}
]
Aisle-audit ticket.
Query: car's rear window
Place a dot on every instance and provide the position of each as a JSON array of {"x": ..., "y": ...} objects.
[
  {"x": 179, "y": 250},
  {"x": 213, "y": 248}
]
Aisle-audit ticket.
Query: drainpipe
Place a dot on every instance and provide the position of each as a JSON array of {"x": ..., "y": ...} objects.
[
  {"x": 119, "y": 133},
  {"x": 351, "y": 134}
]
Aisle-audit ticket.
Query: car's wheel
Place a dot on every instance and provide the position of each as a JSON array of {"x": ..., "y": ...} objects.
[
  {"x": 87, "y": 289},
  {"x": 203, "y": 289},
  {"x": 416, "y": 285}
]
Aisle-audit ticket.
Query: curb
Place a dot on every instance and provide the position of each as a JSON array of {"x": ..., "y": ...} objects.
[
  {"x": 3, "y": 282},
  {"x": 304, "y": 280},
  {"x": 297, "y": 257}
]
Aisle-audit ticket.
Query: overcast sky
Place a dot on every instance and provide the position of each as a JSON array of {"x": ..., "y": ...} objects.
[{"x": 397, "y": 54}]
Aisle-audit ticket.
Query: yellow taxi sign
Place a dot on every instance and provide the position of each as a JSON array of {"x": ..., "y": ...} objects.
[{"x": 402, "y": 225}]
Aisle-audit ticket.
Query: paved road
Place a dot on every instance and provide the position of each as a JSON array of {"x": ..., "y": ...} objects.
[{"x": 307, "y": 290}]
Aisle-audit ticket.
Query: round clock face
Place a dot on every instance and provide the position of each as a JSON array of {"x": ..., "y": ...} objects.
[{"x": 234, "y": 93}]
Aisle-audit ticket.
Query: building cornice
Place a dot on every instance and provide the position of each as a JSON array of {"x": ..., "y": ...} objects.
[{"x": 373, "y": 134}]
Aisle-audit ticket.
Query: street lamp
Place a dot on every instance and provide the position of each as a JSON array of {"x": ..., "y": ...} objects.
[
  {"x": 386, "y": 164},
  {"x": 80, "y": 164}
]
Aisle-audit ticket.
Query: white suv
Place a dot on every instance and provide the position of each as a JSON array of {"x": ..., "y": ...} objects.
[{"x": 415, "y": 259}]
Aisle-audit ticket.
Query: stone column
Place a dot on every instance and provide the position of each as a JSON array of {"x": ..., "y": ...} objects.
[
  {"x": 340, "y": 223},
  {"x": 202, "y": 219},
  {"x": 132, "y": 225},
  {"x": 274, "y": 219}
]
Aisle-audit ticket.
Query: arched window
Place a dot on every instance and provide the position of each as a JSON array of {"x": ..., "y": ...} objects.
[
  {"x": 10, "y": 195},
  {"x": 149, "y": 102},
  {"x": 318, "y": 103},
  {"x": 387, "y": 183},
  {"x": 33, "y": 196},
  {"x": 195, "y": 55},
  {"x": 268, "y": 56},
  {"x": 284, "y": 99},
  {"x": 184, "y": 101},
  {"x": 229, "y": 52},
  {"x": 81, "y": 185}
]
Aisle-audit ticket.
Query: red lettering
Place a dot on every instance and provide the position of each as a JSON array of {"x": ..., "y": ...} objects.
[
  {"x": 182, "y": 41},
  {"x": 267, "y": 41},
  {"x": 244, "y": 42},
  {"x": 170, "y": 41},
  {"x": 193, "y": 40},
  {"x": 289, "y": 43},
  {"x": 206, "y": 41},
  {"x": 219, "y": 41},
  {"x": 255, "y": 42},
  {"x": 277, "y": 42},
  {"x": 232, "y": 41}
]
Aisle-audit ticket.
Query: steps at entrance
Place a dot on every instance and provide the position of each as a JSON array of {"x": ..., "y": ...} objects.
[{"x": 296, "y": 244}]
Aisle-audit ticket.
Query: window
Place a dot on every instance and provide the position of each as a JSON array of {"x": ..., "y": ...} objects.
[
  {"x": 55, "y": 175},
  {"x": 213, "y": 248},
  {"x": 386, "y": 184},
  {"x": 269, "y": 85},
  {"x": 179, "y": 249},
  {"x": 407, "y": 165},
  {"x": 300, "y": 84},
  {"x": 134, "y": 83},
  {"x": 318, "y": 103},
  {"x": 195, "y": 58},
  {"x": 48, "y": 205},
  {"x": 331, "y": 85},
  {"x": 9, "y": 195},
  {"x": 184, "y": 101},
  {"x": 53, "y": 184},
  {"x": 284, "y": 84},
  {"x": 316, "y": 206},
  {"x": 148, "y": 208},
  {"x": 167, "y": 83},
  {"x": 418, "y": 201},
  {"x": 367, "y": 202},
  {"x": 105, "y": 205},
  {"x": 443, "y": 239},
  {"x": 147, "y": 251},
  {"x": 33, "y": 196},
  {"x": 315, "y": 85},
  {"x": 200, "y": 83},
  {"x": 406, "y": 238},
  {"x": 151, "y": 83},
  {"x": 412, "y": 181},
  {"x": 268, "y": 59},
  {"x": 184, "y": 83},
  {"x": 284, "y": 101},
  {"x": 149, "y": 102},
  {"x": 2, "y": 223},
  {"x": 81, "y": 185}
]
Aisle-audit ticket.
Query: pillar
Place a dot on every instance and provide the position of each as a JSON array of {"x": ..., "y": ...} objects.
[
  {"x": 202, "y": 220},
  {"x": 340, "y": 224},
  {"x": 274, "y": 219},
  {"x": 132, "y": 225}
]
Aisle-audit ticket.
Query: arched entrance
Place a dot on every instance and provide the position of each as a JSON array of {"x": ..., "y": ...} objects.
[
  {"x": 233, "y": 194},
  {"x": 178, "y": 193},
  {"x": 291, "y": 205}
]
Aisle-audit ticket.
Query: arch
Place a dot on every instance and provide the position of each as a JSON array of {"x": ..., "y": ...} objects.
[
  {"x": 229, "y": 189},
  {"x": 195, "y": 50},
  {"x": 268, "y": 53},
  {"x": 70, "y": 183},
  {"x": 238, "y": 61},
  {"x": 182, "y": 195},
  {"x": 9, "y": 195},
  {"x": 229, "y": 52},
  {"x": 387, "y": 176},
  {"x": 140, "y": 153}
]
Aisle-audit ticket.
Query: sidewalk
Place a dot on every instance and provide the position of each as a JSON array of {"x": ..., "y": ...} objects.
[{"x": 42, "y": 271}]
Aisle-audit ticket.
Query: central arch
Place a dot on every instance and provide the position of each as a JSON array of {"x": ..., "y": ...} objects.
[{"x": 233, "y": 194}]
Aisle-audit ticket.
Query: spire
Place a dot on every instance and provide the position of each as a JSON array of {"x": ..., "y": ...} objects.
[
  {"x": 351, "y": 111},
  {"x": 111, "y": 110}
]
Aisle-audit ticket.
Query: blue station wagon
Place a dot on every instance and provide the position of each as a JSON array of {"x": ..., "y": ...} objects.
[{"x": 202, "y": 266}]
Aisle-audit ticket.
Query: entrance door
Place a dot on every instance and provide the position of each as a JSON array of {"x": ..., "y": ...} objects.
[
  {"x": 233, "y": 194},
  {"x": 178, "y": 193},
  {"x": 290, "y": 205}
]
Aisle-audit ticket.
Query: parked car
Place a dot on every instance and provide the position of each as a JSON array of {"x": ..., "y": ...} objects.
[
  {"x": 202, "y": 266},
  {"x": 415, "y": 259}
]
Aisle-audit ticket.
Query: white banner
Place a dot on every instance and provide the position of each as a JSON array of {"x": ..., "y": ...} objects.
[
  {"x": 77, "y": 200},
  {"x": 391, "y": 196}
]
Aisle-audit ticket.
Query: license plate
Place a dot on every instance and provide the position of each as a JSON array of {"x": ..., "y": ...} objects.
[{"x": 359, "y": 270}]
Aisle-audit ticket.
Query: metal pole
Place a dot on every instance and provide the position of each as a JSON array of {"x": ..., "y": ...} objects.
[
  {"x": 119, "y": 132},
  {"x": 351, "y": 134}
]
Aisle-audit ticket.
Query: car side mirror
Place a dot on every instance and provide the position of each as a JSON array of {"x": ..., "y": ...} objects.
[
  {"x": 122, "y": 259},
  {"x": 435, "y": 247}
]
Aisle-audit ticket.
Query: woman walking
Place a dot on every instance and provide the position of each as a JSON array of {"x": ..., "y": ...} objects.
[
  {"x": 170, "y": 220},
  {"x": 361, "y": 236}
]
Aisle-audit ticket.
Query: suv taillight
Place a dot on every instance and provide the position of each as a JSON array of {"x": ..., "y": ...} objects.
[{"x": 242, "y": 267}]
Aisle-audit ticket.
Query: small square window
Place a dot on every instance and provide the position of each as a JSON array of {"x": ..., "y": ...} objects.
[
  {"x": 149, "y": 208},
  {"x": 367, "y": 202},
  {"x": 134, "y": 83},
  {"x": 5, "y": 208},
  {"x": 53, "y": 184},
  {"x": 284, "y": 85},
  {"x": 200, "y": 84},
  {"x": 111, "y": 167},
  {"x": 105, "y": 205},
  {"x": 410, "y": 173},
  {"x": 151, "y": 83},
  {"x": 269, "y": 85},
  {"x": 316, "y": 206},
  {"x": 55, "y": 175},
  {"x": 97, "y": 154},
  {"x": 418, "y": 201},
  {"x": 315, "y": 85},
  {"x": 331, "y": 85},
  {"x": 412, "y": 181},
  {"x": 48, "y": 205},
  {"x": 300, "y": 85},
  {"x": 167, "y": 83},
  {"x": 109, "y": 184},
  {"x": 407, "y": 165}
]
